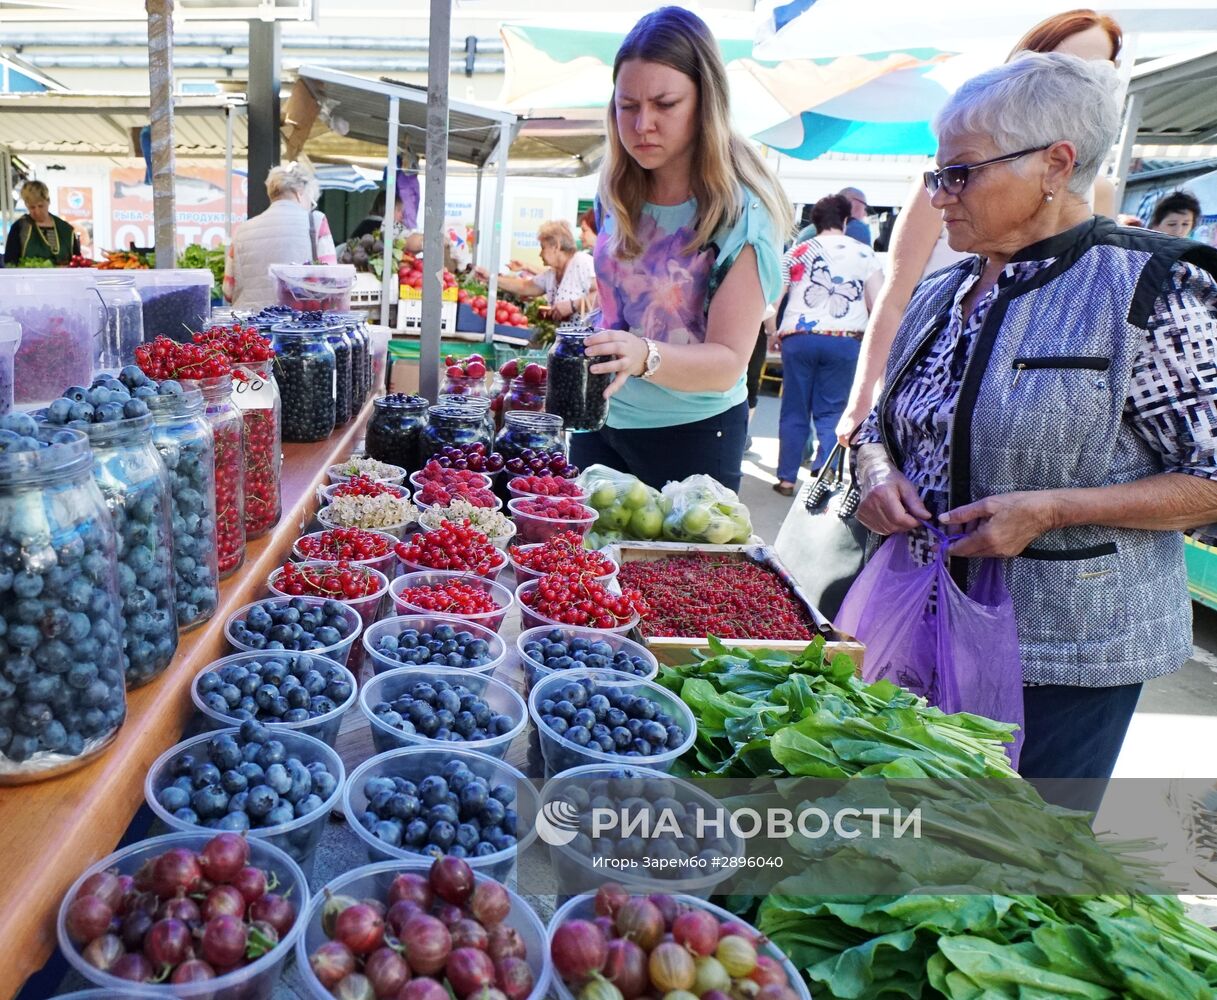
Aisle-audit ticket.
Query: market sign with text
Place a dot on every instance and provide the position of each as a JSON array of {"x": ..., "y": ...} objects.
[{"x": 199, "y": 203}]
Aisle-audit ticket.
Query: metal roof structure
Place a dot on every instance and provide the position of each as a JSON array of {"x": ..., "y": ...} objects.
[{"x": 1176, "y": 101}]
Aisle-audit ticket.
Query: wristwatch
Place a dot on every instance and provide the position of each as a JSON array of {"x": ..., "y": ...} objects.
[{"x": 653, "y": 358}]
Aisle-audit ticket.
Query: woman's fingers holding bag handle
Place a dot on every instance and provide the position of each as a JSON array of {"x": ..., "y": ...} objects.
[{"x": 892, "y": 507}]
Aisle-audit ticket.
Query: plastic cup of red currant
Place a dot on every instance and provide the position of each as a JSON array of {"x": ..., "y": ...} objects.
[
  {"x": 540, "y": 562},
  {"x": 358, "y": 587},
  {"x": 466, "y": 596},
  {"x": 526, "y": 596},
  {"x": 359, "y": 546}
]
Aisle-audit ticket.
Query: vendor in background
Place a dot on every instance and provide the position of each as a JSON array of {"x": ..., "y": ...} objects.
[
  {"x": 568, "y": 281},
  {"x": 919, "y": 245},
  {"x": 688, "y": 258},
  {"x": 39, "y": 235},
  {"x": 1176, "y": 214},
  {"x": 833, "y": 281},
  {"x": 290, "y": 231},
  {"x": 376, "y": 218},
  {"x": 588, "y": 230},
  {"x": 1049, "y": 401}
]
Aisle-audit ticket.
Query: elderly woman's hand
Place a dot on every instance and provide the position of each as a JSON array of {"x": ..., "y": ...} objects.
[
  {"x": 1003, "y": 526},
  {"x": 890, "y": 503}
]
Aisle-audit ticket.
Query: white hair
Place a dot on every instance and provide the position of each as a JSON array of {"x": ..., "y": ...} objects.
[
  {"x": 291, "y": 179},
  {"x": 1037, "y": 99}
]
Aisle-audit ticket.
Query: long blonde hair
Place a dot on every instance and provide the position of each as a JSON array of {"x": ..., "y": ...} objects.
[{"x": 723, "y": 159}]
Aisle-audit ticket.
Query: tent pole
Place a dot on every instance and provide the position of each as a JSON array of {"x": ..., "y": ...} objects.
[
  {"x": 6, "y": 188},
  {"x": 496, "y": 230},
  {"x": 477, "y": 218},
  {"x": 388, "y": 273},
  {"x": 434, "y": 232},
  {"x": 1128, "y": 139},
  {"x": 160, "y": 91},
  {"x": 228, "y": 173}
]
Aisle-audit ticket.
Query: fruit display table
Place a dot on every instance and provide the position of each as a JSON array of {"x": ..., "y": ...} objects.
[{"x": 50, "y": 831}]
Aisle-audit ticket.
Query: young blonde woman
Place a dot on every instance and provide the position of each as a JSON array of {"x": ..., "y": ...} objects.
[{"x": 688, "y": 256}]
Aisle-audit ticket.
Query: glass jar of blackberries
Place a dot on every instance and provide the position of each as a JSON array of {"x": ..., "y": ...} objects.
[
  {"x": 574, "y": 393},
  {"x": 306, "y": 370},
  {"x": 182, "y": 436},
  {"x": 394, "y": 433},
  {"x": 227, "y": 428},
  {"x": 62, "y": 686},
  {"x": 255, "y": 393},
  {"x": 135, "y": 484},
  {"x": 361, "y": 357},
  {"x": 533, "y": 432},
  {"x": 452, "y": 426},
  {"x": 344, "y": 387}
]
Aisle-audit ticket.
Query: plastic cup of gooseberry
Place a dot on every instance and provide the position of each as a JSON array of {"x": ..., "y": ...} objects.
[
  {"x": 535, "y": 669},
  {"x": 389, "y": 658},
  {"x": 339, "y": 652},
  {"x": 368, "y": 606},
  {"x": 582, "y": 907},
  {"x": 256, "y": 979},
  {"x": 497, "y": 592},
  {"x": 500, "y": 564},
  {"x": 433, "y": 518},
  {"x": 392, "y": 684},
  {"x": 534, "y": 619},
  {"x": 538, "y": 528},
  {"x": 397, "y": 530},
  {"x": 300, "y": 837},
  {"x": 373, "y": 881},
  {"x": 417, "y": 763},
  {"x": 561, "y": 754},
  {"x": 323, "y": 727},
  {"x": 524, "y": 574},
  {"x": 515, "y": 493},
  {"x": 382, "y": 563},
  {"x": 396, "y": 477},
  {"x": 420, "y": 479}
]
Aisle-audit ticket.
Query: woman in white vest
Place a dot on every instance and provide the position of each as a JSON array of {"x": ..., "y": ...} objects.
[{"x": 291, "y": 231}]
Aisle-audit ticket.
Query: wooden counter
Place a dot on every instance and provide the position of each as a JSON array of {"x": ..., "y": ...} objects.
[{"x": 52, "y": 830}]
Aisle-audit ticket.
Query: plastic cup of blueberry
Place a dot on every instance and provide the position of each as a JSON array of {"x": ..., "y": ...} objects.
[
  {"x": 444, "y": 705},
  {"x": 430, "y": 641},
  {"x": 419, "y": 801},
  {"x": 267, "y": 782},
  {"x": 295, "y": 624},
  {"x": 598, "y": 716},
  {"x": 549, "y": 649},
  {"x": 303, "y": 692}
]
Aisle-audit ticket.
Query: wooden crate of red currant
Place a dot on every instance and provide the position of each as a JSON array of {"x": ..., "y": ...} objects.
[{"x": 742, "y": 594}]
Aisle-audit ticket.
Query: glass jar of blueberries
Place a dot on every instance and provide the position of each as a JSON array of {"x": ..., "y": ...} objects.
[
  {"x": 526, "y": 431},
  {"x": 132, "y": 478},
  {"x": 452, "y": 426},
  {"x": 476, "y": 404},
  {"x": 307, "y": 373},
  {"x": 361, "y": 357},
  {"x": 573, "y": 392},
  {"x": 228, "y": 430},
  {"x": 344, "y": 387},
  {"x": 394, "y": 433},
  {"x": 62, "y": 691},
  {"x": 182, "y": 436}
]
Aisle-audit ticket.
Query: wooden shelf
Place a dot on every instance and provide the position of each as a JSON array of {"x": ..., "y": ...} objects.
[{"x": 52, "y": 830}]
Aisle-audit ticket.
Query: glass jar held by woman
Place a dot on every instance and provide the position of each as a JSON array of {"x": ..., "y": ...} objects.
[{"x": 687, "y": 258}]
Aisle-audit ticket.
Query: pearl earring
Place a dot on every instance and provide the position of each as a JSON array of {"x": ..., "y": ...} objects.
[{"x": 1048, "y": 196}]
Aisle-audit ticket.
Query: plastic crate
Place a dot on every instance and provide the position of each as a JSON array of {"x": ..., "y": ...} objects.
[
  {"x": 366, "y": 291},
  {"x": 410, "y": 315}
]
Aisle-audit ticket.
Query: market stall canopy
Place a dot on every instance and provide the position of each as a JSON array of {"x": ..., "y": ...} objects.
[
  {"x": 78, "y": 124},
  {"x": 1176, "y": 99}
]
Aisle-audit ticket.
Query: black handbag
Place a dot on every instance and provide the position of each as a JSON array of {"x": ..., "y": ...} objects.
[{"x": 821, "y": 541}]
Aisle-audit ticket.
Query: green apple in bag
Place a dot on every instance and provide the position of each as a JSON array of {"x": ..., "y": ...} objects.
[{"x": 646, "y": 523}]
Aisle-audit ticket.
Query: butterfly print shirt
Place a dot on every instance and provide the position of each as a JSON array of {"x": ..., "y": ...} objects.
[{"x": 827, "y": 277}]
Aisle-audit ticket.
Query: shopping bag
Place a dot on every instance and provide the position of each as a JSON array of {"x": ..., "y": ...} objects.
[
  {"x": 959, "y": 651},
  {"x": 821, "y": 541}
]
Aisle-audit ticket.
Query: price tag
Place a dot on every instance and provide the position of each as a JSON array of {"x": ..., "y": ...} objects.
[{"x": 256, "y": 393}]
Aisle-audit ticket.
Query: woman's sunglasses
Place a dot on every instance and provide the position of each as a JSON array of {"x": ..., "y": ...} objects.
[{"x": 955, "y": 177}]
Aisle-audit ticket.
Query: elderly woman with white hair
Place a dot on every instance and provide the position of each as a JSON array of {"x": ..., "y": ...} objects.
[
  {"x": 1053, "y": 400},
  {"x": 290, "y": 231}
]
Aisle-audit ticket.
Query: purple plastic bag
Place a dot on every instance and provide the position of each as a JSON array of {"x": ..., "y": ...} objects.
[{"x": 959, "y": 651}]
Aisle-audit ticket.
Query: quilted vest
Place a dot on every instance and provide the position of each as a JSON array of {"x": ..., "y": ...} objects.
[
  {"x": 277, "y": 236},
  {"x": 1041, "y": 407}
]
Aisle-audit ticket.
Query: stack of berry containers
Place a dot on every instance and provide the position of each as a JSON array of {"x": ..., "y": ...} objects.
[
  {"x": 256, "y": 395},
  {"x": 394, "y": 434},
  {"x": 227, "y": 427},
  {"x": 133, "y": 480},
  {"x": 66, "y": 697},
  {"x": 182, "y": 436}
]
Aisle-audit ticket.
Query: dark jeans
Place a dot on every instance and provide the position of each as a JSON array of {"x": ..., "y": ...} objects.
[
  {"x": 657, "y": 455},
  {"x": 1073, "y": 737},
  {"x": 817, "y": 371},
  {"x": 755, "y": 363}
]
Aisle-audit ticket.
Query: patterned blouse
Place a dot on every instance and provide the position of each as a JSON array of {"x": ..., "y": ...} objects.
[{"x": 1181, "y": 328}]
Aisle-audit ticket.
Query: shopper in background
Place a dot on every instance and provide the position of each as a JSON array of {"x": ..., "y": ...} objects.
[
  {"x": 1130, "y": 220},
  {"x": 39, "y": 235},
  {"x": 856, "y": 226},
  {"x": 290, "y": 231},
  {"x": 568, "y": 281},
  {"x": 919, "y": 244},
  {"x": 588, "y": 230},
  {"x": 376, "y": 218},
  {"x": 1176, "y": 214},
  {"x": 1049, "y": 401},
  {"x": 833, "y": 280},
  {"x": 688, "y": 258}
]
